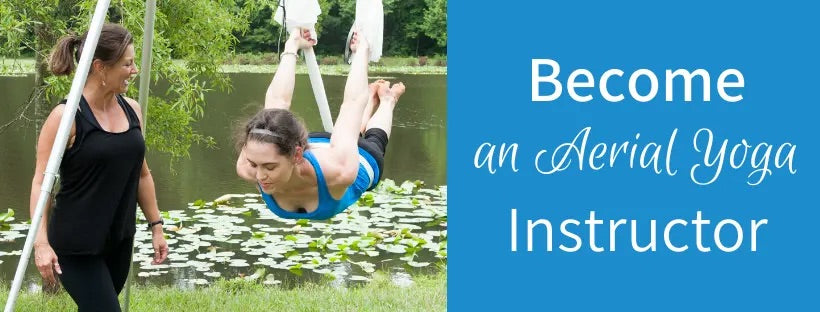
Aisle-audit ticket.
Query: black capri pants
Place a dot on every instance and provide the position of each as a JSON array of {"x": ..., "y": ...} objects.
[{"x": 95, "y": 281}]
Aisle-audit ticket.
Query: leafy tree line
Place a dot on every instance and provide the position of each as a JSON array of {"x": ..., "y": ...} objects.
[
  {"x": 203, "y": 33},
  {"x": 411, "y": 28},
  {"x": 197, "y": 31}
]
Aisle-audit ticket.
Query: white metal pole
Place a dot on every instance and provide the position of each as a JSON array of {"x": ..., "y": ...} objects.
[
  {"x": 89, "y": 47},
  {"x": 145, "y": 82},
  {"x": 147, "y": 46}
]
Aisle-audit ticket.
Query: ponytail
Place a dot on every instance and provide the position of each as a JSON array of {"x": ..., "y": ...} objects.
[
  {"x": 113, "y": 41},
  {"x": 62, "y": 57}
]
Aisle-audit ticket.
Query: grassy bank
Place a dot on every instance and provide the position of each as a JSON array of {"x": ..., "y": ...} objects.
[
  {"x": 427, "y": 293},
  {"x": 266, "y": 63}
]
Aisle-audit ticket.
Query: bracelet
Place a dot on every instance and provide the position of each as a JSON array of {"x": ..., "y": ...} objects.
[
  {"x": 289, "y": 53},
  {"x": 152, "y": 224}
]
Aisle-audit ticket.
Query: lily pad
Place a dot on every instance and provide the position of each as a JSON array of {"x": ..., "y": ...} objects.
[{"x": 359, "y": 278}]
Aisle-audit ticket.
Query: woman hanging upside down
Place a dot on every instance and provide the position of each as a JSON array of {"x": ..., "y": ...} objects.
[{"x": 318, "y": 175}]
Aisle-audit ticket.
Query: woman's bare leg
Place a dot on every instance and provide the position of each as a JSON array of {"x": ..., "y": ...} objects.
[
  {"x": 372, "y": 103},
  {"x": 388, "y": 97}
]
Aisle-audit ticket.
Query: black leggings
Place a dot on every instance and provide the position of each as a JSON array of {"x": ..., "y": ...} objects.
[
  {"x": 95, "y": 281},
  {"x": 374, "y": 142}
]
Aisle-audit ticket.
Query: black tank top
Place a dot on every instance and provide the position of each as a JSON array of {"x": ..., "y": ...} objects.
[{"x": 96, "y": 205}]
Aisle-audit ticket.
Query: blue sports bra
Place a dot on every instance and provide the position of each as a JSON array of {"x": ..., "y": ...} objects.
[{"x": 328, "y": 206}]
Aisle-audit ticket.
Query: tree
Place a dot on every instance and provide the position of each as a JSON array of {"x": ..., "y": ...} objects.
[
  {"x": 263, "y": 32},
  {"x": 435, "y": 21},
  {"x": 202, "y": 34},
  {"x": 199, "y": 33},
  {"x": 412, "y": 27}
]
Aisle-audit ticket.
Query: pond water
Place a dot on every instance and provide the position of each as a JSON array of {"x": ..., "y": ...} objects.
[{"x": 219, "y": 228}]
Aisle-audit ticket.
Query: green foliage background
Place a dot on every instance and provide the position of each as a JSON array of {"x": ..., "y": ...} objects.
[{"x": 192, "y": 39}]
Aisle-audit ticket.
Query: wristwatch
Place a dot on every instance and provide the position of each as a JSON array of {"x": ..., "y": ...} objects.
[{"x": 152, "y": 224}]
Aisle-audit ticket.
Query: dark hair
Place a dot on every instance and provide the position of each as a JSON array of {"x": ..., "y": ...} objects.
[
  {"x": 289, "y": 131},
  {"x": 113, "y": 41}
]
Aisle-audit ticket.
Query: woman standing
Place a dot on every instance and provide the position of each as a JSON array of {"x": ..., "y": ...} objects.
[{"x": 88, "y": 238}]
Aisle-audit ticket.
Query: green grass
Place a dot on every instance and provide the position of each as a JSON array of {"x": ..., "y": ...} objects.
[
  {"x": 334, "y": 65},
  {"x": 427, "y": 293},
  {"x": 398, "y": 65},
  {"x": 341, "y": 70}
]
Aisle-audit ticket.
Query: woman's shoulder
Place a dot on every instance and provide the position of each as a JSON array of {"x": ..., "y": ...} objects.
[
  {"x": 134, "y": 106},
  {"x": 336, "y": 174},
  {"x": 133, "y": 103},
  {"x": 52, "y": 122},
  {"x": 331, "y": 169},
  {"x": 56, "y": 113}
]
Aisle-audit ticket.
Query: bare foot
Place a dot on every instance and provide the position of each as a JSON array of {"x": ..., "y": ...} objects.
[
  {"x": 374, "y": 91},
  {"x": 388, "y": 94},
  {"x": 385, "y": 95},
  {"x": 397, "y": 89}
]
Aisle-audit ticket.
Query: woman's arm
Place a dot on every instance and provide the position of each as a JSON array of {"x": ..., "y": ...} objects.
[
  {"x": 44, "y": 143},
  {"x": 244, "y": 169},
  {"x": 280, "y": 90},
  {"x": 147, "y": 199},
  {"x": 44, "y": 257}
]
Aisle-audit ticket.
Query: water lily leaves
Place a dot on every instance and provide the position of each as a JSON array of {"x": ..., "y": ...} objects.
[
  {"x": 239, "y": 263},
  {"x": 291, "y": 254},
  {"x": 367, "y": 267},
  {"x": 212, "y": 274},
  {"x": 12, "y": 253},
  {"x": 199, "y": 203},
  {"x": 177, "y": 257},
  {"x": 367, "y": 200},
  {"x": 401, "y": 279},
  {"x": 225, "y": 199},
  {"x": 199, "y": 281},
  {"x": 266, "y": 262},
  {"x": 296, "y": 269},
  {"x": 322, "y": 271},
  {"x": 394, "y": 227},
  {"x": 372, "y": 253},
  {"x": 393, "y": 248},
  {"x": 271, "y": 280},
  {"x": 11, "y": 235},
  {"x": 6, "y": 217},
  {"x": 417, "y": 264},
  {"x": 260, "y": 272}
]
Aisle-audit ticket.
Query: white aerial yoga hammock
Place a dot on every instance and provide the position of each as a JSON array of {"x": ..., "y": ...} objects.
[
  {"x": 303, "y": 14},
  {"x": 60, "y": 141},
  {"x": 370, "y": 21}
]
